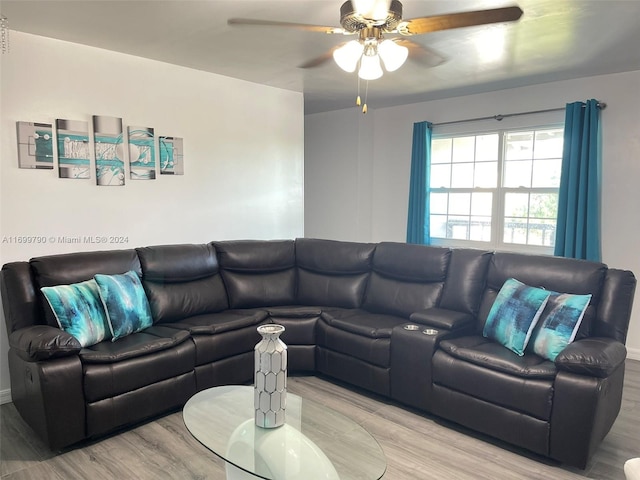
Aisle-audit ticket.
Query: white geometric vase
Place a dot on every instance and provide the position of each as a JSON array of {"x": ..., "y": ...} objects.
[{"x": 270, "y": 377}]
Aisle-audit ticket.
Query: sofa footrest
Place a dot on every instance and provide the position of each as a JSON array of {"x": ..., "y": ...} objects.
[
  {"x": 134, "y": 406},
  {"x": 494, "y": 420},
  {"x": 353, "y": 371},
  {"x": 532, "y": 396}
]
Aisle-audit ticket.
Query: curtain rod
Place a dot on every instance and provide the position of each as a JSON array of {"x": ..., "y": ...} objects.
[{"x": 499, "y": 117}]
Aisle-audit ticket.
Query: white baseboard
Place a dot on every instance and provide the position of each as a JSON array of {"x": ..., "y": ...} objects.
[
  {"x": 5, "y": 396},
  {"x": 633, "y": 353}
]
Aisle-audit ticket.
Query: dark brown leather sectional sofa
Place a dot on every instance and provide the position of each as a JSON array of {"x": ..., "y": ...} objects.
[{"x": 345, "y": 307}]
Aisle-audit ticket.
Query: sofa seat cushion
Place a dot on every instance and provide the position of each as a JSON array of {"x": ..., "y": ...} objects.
[
  {"x": 153, "y": 339},
  {"x": 532, "y": 396},
  {"x": 294, "y": 311},
  {"x": 489, "y": 354},
  {"x": 225, "y": 334},
  {"x": 138, "y": 360},
  {"x": 216, "y": 323},
  {"x": 358, "y": 333},
  {"x": 362, "y": 322}
]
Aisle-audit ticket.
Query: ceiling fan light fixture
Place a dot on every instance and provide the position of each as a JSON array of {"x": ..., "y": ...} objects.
[
  {"x": 393, "y": 55},
  {"x": 370, "y": 68},
  {"x": 347, "y": 55}
]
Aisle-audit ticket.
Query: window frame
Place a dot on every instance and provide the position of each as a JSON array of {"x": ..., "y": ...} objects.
[{"x": 552, "y": 121}]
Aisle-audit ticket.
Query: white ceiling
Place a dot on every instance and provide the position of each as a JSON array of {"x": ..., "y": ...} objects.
[{"x": 554, "y": 40}]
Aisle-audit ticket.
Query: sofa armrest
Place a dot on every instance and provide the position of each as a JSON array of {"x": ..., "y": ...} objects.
[
  {"x": 442, "y": 318},
  {"x": 595, "y": 357},
  {"x": 42, "y": 342}
]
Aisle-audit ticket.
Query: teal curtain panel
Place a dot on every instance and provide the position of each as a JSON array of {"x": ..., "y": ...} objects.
[
  {"x": 418, "y": 217},
  {"x": 578, "y": 227}
]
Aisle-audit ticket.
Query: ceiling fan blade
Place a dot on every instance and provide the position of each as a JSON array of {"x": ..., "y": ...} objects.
[
  {"x": 417, "y": 26},
  {"x": 421, "y": 54},
  {"x": 299, "y": 26},
  {"x": 321, "y": 60}
]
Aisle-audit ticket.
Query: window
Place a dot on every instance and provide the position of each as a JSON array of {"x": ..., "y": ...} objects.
[{"x": 496, "y": 189}]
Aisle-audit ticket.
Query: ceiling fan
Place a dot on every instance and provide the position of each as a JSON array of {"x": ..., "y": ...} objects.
[{"x": 370, "y": 20}]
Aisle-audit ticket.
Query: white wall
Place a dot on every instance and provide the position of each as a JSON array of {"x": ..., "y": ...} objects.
[
  {"x": 243, "y": 149},
  {"x": 386, "y": 182},
  {"x": 339, "y": 178}
]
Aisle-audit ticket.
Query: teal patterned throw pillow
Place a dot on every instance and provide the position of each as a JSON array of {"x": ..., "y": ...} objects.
[
  {"x": 79, "y": 311},
  {"x": 514, "y": 314},
  {"x": 125, "y": 302},
  {"x": 559, "y": 323}
]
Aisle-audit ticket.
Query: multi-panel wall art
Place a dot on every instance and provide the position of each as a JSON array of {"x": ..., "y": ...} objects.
[
  {"x": 35, "y": 145},
  {"x": 142, "y": 153},
  {"x": 171, "y": 156},
  {"x": 109, "y": 149},
  {"x": 73, "y": 148},
  {"x": 114, "y": 150}
]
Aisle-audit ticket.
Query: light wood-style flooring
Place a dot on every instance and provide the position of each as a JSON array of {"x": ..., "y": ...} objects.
[{"x": 416, "y": 446}]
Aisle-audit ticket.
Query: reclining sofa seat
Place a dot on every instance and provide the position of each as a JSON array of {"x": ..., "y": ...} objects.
[
  {"x": 561, "y": 410},
  {"x": 186, "y": 292},
  {"x": 360, "y": 336},
  {"x": 68, "y": 393},
  {"x": 333, "y": 276},
  {"x": 261, "y": 277}
]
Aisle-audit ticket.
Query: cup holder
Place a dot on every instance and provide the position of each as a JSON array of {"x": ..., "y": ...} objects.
[
  {"x": 430, "y": 331},
  {"x": 411, "y": 327}
]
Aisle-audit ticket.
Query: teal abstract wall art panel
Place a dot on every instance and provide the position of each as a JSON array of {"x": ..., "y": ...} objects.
[
  {"x": 142, "y": 153},
  {"x": 109, "y": 149},
  {"x": 35, "y": 145},
  {"x": 171, "y": 156},
  {"x": 73, "y": 148}
]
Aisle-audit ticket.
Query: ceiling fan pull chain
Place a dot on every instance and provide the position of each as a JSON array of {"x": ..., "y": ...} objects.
[
  {"x": 358, "y": 100},
  {"x": 366, "y": 94}
]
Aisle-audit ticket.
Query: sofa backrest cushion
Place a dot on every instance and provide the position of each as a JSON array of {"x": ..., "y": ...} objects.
[
  {"x": 332, "y": 273},
  {"x": 558, "y": 274},
  {"x": 406, "y": 278},
  {"x": 258, "y": 273},
  {"x": 182, "y": 281},
  {"x": 69, "y": 268},
  {"x": 465, "y": 280}
]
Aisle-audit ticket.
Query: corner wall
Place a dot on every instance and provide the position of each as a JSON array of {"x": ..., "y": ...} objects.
[
  {"x": 243, "y": 150},
  {"x": 385, "y": 179}
]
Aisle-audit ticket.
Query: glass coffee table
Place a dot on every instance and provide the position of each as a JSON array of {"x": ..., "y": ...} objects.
[{"x": 314, "y": 443}]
